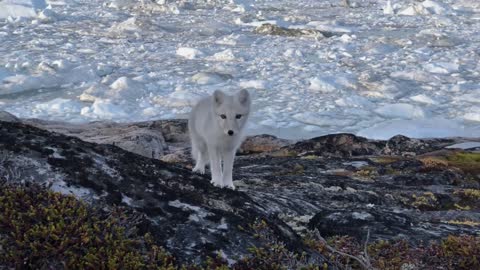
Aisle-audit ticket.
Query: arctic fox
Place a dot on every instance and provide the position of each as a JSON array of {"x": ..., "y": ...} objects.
[{"x": 216, "y": 126}]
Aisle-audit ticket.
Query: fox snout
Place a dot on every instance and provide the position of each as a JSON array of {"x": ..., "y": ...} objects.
[{"x": 230, "y": 132}]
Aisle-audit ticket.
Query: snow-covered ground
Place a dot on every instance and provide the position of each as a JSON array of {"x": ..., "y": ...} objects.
[{"x": 391, "y": 67}]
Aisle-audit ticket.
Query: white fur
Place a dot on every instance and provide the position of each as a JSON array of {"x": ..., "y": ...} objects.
[{"x": 209, "y": 136}]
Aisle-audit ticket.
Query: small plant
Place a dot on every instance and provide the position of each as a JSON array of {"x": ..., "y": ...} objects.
[
  {"x": 454, "y": 252},
  {"x": 466, "y": 161},
  {"x": 43, "y": 229},
  {"x": 274, "y": 255},
  {"x": 426, "y": 201}
]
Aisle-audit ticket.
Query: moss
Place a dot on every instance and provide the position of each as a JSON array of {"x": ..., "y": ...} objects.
[
  {"x": 367, "y": 172},
  {"x": 284, "y": 153},
  {"x": 434, "y": 163},
  {"x": 469, "y": 198},
  {"x": 469, "y": 193},
  {"x": 310, "y": 157},
  {"x": 466, "y": 161},
  {"x": 426, "y": 201},
  {"x": 452, "y": 252},
  {"x": 385, "y": 160},
  {"x": 40, "y": 228},
  {"x": 296, "y": 169},
  {"x": 464, "y": 222},
  {"x": 274, "y": 255}
]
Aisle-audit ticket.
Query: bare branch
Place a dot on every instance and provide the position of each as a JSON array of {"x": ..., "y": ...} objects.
[{"x": 364, "y": 261}]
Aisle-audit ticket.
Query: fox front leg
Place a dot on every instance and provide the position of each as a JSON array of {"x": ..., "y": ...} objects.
[
  {"x": 215, "y": 167},
  {"x": 228, "y": 159}
]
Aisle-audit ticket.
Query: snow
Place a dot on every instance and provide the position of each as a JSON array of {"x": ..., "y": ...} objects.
[{"x": 383, "y": 68}]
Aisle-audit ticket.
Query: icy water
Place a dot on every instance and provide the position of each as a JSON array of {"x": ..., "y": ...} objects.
[{"x": 413, "y": 71}]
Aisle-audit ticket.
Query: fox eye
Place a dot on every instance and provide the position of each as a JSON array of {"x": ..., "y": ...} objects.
[
  {"x": 223, "y": 116},
  {"x": 238, "y": 116}
]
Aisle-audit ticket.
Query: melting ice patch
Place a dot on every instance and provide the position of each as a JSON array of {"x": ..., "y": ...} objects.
[{"x": 419, "y": 128}]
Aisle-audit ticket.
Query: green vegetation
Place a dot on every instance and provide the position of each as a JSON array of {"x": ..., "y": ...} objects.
[
  {"x": 454, "y": 252},
  {"x": 40, "y": 229},
  {"x": 426, "y": 201},
  {"x": 43, "y": 229},
  {"x": 467, "y": 162}
]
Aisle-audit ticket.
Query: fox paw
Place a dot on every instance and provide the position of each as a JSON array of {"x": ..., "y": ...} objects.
[
  {"x": 230, "y": 186},
  {"x": 216, "y": 183},
  {"x": 198, "y": 169}
]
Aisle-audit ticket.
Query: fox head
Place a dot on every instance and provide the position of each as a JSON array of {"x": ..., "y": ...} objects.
[{"x": 231, "y": 112}]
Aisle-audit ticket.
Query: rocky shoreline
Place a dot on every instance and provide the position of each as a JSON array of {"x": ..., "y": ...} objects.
[{"x": 339, "y": 184}]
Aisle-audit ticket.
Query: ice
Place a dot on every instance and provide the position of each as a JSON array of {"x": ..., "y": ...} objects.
[
  {"x": 104, "y": 109},
  {"x": 464, "y": 145},
  {"x": 420, "y": 128},
  {"x": 226, "y": 55},
  {"x": 435, "y": 7},
  {"x": 331, "y": 83},
  {"x": 189, "y": 53},
  {"x": 427, "y": 7},
  {"x": 400, "y": 110},
  {"x": 423, "y": 99},
  {"x": 472, "y": 116},
  {"x": 255, "y": 84},
  {"x": 20, "y": 8},
  {"x": 330, "y": 27},
  {"x": 58, "y": 106},
  {"x": 388, "y": 9},
  {"x": 47, "y": 15},
  {"x": 129, "y": 25},
  {"x": 209, "y": 78},
  {"x": 47, "y": 75},
  {"x": 442, "y": 67},
  {"x": 128, "y": 60}
]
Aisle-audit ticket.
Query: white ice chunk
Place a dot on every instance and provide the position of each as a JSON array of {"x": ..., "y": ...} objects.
[
  {"x": 255, "y": 84},
  {"x": 418, "y": 128},
  {"x": 20, "y": 8},
  {"x": 464, "y": 145},
  {"x": 189, "y": 53},
  {"x": 423, "y": 99},
  {"x": 441, "y": 67},
  {"x": 400, "y": 110},
  {"x": 331, "y": 83},
  {"x": 104, "y": 109},
  {"x": 226, "y": 55}
]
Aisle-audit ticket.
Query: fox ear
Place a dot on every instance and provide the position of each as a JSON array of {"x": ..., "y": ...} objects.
[
  {"x": 218, "y": 97},
  {"x": 243, "y": 97}
]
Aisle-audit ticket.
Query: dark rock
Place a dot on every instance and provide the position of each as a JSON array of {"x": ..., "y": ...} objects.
[
  {"x": 423, "y": 179},
  {"x": 337, "y": 145},
  {"x": 357, "y": 222},
  {"x": 340, "y": 184},
  {"x": 8, "y": 117},
  {"x": 271, "y": 29},
  {"x": 188, "y": 215},
  {"x": 403, "y": 146},
  {"x": 262, "y": 144}
]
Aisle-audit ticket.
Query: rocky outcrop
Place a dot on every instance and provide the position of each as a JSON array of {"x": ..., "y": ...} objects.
[
  {"x": 186, "y": 214},
  {"x": 271, "y": 29},
  {"x": 340, "y": 184}
]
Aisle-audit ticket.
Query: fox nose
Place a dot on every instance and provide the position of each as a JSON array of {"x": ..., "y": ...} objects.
[{"x": 230, "y": 132}]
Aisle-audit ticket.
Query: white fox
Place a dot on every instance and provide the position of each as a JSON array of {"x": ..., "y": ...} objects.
[{"x": 216, "y": 126}]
